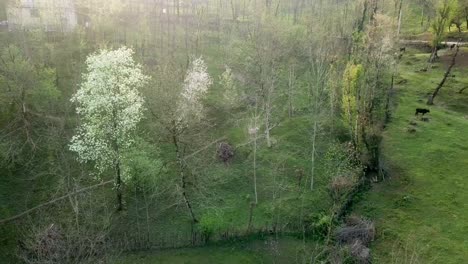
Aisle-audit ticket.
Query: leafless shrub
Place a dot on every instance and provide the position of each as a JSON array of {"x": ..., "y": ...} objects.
[
  {"x": 47, "y": 244},
  {"x": 339, "y": 255},
  {"x": 225, "y": 152},
  {"x": 360, "y": 252},
  {"x": 340, "y": 186},
  {"x": 353, "y": 220},
  {"x": 53, "y": 244},
  {"x": 363, "y": 230},
  {"x": 408, "y": 251}
]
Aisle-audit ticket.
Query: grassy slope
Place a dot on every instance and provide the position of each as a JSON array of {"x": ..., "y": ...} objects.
[
  {"x": 229, "y": 198},
  {"x": 422, "y": 210},
  {"x": 226, "y": 191}
]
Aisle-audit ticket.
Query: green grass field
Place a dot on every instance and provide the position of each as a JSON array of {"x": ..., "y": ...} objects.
[{"x": 421, "y": 209}]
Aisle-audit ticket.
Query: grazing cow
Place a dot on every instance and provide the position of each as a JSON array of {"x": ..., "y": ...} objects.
[
  {"x": 403, "y": 49},
  {"x": 422, "y": 111},
  {"x": 452, "y": 46}
]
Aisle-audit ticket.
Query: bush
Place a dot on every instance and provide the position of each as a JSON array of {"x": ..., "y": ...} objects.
[
  {"x": 340, "y": 186},
  {"x": 54, "y": 244},
  {"x": 360, "y": 252},
  {"x": 225, "y": 152},
  {"x": 322, "y": 224},
  {"x": 210, "y": 224},
  {"x": 356, "y": 236},
  {"x": 359, "y": 229}
]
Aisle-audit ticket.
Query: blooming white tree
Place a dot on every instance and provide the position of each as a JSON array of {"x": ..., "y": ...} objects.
[
  {"x": 189, "y": 108},
  {"x": 196, "y": 85},
  {"x": 110, "y": 107}
]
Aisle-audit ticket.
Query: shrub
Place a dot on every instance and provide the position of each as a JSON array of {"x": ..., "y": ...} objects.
[
  {"x": 321, "y": 224},
  {"x": 225, "y": 152},
  {"x": 55, "y": 244},
  {"x": 211, "y": 223},
  {"x": 359, "y": 229},
  {"x": 360, "y": 252},
  {"x": 340, "y": 186}
]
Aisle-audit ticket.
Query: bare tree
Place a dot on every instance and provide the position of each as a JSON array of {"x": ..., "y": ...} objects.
[
  {"x": 430, "y": 101},
  {"x": 439, "y": 26}
]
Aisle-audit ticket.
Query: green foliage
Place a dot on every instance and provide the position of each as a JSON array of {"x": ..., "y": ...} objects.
[
  {"x": 47, "y": 94},
  {"x": 351, "y": 82},
  {"x": 322, "y": 224},
  {"x": 142, "y": 165},
  {"x": 340, "y": 160},
  {"x": 211, "y": 222},
  {"x": 445, "y": 12},
  {"x": 275, "y": 61},
  {"x": 28, "y": 95},
  {"x": 23, "y": 85}
]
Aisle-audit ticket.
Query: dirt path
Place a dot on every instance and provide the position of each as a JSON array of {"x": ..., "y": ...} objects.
[{"x": 425, "y": 42}]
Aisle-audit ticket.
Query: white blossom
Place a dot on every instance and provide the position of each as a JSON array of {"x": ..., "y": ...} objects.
[
  {"x": 109, "y": 105},
  {"x": 381, "y": 39},
  {"x": 196, "y": 85},
  {"x": 253, "y": 131}
]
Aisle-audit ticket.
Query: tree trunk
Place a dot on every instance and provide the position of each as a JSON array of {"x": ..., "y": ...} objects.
[
  {"x": 233, "y": 10},
  {"x": 255, "y": 154},
  {"x": 422, "y": 17},
  {"x": 466, "y": 16},
  {"x": 251, "y": 209},
  {"x": 290, "y": 88},
  {"x": 277, "y": 8},
  {"x": 374, "y": 10},
  {"x": 182, "y": 175},
  {"x": 387, "y": 103},
  {"x": 187, "y": 201},
  {"x": 360, "y": 27},
  {"x": 430, "y": 101},
  {"x": 118, "y": 183},
  {"x": 255, "y": 170},
  {"x": 295, "y": 11},
  {"x": 400, "y": 14},
  {"x": 267, "y": 129},
  {"x": 118, "y": 176},
  {"x": 312, "y": 172},
  {"x": 267, "y": 104},
  {"x": 434, "y": 55},
  {"x": 177, "y": 5}
]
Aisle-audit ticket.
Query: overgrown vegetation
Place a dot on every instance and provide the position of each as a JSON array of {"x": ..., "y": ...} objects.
[{"x": 210, "y": 121}]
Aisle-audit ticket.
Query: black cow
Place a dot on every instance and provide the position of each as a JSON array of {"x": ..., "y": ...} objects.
[
  {"x": 452, "y": 46},
  {"x": 422, "y": 111},
  {"x": 403, "y": 49}
]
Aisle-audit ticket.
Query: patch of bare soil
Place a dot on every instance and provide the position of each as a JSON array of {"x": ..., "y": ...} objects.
[{"x": 462, "y": 58}]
